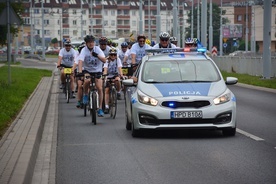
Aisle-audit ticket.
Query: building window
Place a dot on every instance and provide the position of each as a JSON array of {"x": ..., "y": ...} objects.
[
  {"x": 37, "y": 22},
  {"x": 113, "y": 22},
  {"x": 98, "y": 12},
  {"x": 98, "y": 21},
  {"x": 74, "y": 22},
  {"x": 75, "y": 32},
  {"x": 133, "y": 13},
  {"x": 239, "y": 18},
  {"x": 46, "y": 22},
  {"x": 84, "y": 22},
  {"x": 36, "y": 11},
  {"x": 74, "y": 12},
  {"x": 65, "y": 31},
  {"x": 112, "y": 12},
  {"x": 134, "y": 24},
  {"x": 105, "y": 22}
]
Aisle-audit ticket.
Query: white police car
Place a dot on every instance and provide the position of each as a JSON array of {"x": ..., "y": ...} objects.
[{"x": 178, "y": 89}]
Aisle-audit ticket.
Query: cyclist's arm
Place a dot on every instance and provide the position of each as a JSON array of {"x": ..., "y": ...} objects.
[
  {"x": 59, "y": 61},
  {"x": 133, "y": 58},
  {"x": 80, "y": 66},
  {"x": 102, "y": 58}
]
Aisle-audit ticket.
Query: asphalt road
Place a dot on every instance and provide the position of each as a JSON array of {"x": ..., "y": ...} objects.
[{"x": 107, "y": 153}]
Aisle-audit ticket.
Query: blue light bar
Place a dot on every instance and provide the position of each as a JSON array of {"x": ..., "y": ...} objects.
[
  {"x": 171, "y": 104},
  {"x": 202, "y": 49}
]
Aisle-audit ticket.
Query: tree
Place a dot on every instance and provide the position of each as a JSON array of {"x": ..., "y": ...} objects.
[
  {"x": 18, "y": 8},
  {"x": 216, "y": 22}
]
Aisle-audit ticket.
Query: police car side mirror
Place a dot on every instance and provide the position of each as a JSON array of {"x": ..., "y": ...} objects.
[
  {"x": 231, "y": 80},
  {"x": 129, "y": 82}
]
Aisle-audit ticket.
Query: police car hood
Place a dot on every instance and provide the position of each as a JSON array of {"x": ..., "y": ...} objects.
[{"x": 158, "y": 90}]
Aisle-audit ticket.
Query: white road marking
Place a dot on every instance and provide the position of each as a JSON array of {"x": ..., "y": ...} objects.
[{"x": 249, "y": 135}]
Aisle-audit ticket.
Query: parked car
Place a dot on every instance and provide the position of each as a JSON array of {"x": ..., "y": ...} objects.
[{"x": 179, "y": 90}]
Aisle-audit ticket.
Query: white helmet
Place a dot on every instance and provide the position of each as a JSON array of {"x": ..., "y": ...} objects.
[
  {"x": 164, "y": 35},
  {"x": 173, "y": 39}
]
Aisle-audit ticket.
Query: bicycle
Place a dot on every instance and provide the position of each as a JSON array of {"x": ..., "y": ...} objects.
[
  {"x": 93, "y": 100},
  {"x": 128, "y": 71},
  {"x": 67, "y": 88},
  {"x": 112, "y": 96}
]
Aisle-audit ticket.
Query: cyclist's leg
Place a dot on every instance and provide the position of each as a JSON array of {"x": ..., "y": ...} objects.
[
  {"x": 85, "y": 88},
  {"x": 72, "y": 78},
  {"x": 99, "y": 86},
  {"x": 106, "y": 110},
  {"x": 62, "y": 78},
  {"x": 118, "y": 87},
  {"x": 79, "y": 93}
]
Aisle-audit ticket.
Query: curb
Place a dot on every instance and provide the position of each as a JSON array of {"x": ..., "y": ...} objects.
[{"x": 20, "y": 144}]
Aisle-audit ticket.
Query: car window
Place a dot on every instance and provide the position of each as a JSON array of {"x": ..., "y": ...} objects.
[{"x": 180, "y": 71}]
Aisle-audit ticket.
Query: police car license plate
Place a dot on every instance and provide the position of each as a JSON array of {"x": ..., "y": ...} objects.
[{"x": 186, "y": 114}]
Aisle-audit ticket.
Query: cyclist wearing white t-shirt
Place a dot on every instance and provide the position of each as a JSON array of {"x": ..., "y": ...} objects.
[
  {"x": 92, "y": 59},
  {"x": 138, "y": 50},
  {"x": 67, "y": 57},
  {"x": 103, "y": 45},
  {"x": 164, "y": 41},
  {"x": 122, "y": 52}
]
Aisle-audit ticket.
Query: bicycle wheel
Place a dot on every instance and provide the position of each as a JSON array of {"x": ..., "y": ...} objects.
[
  {"x": 113, "y": 103},
  {"x": 93, "y": 107},
  {"x": 68, "y": 90}
]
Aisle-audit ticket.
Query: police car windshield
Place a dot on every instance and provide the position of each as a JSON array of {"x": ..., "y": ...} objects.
[{"x": 179, "y": 71}]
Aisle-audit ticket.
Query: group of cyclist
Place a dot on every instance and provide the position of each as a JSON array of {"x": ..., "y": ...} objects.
[{"x": 104, "y": 59}]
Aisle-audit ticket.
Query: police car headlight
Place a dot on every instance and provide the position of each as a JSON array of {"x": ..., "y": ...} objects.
[
  {"x": 222, "y": 99},
  {"x": 146, "y": 99}
]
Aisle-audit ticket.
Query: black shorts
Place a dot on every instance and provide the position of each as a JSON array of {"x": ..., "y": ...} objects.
[{"x": 98, "y": 74}]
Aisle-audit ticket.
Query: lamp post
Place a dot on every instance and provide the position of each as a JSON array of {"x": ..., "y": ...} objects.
[
  {"x": 192, "y": 21},
  {"x": 211, "y": 27},
  {"x": 149, "y": 20},
  {"x": 43, "y": 39},
  {"x": 198, "y": 30},
  {"x": 246, "y": 27},
  {"x": 81, "y": 22},
  {"x": 220, "y": 35},
  {"x": 141, "y": 18},
  {"x": 32, "y": 28}
]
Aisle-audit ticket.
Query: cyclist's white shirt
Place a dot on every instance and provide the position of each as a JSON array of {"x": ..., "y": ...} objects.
[
  {"x": 106, "y": 51},
  {"x": 67, "y": 57},
  {"x": 112, "y": 67},
  {"x": 91, "y": 63},
  {"x": 139, "y": 51},
  {"x": 121, "y": 54},
  {"x": 156, "y": 46}
]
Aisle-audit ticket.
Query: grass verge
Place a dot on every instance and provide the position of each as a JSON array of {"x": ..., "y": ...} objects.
[
  {"x": 252, "y": 80},
  {"x": 14, "y": 95}
]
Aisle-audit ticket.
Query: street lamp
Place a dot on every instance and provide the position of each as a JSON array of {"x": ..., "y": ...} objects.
[
  {"x": 43, "y": 39},
  {"x": 220, "y": 35}
]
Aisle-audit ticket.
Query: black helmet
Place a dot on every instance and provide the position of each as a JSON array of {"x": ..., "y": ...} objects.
[
  {"x": 89, "y": 38},
  {"x": 103, "y": 40},
  {"x": 124, "y": 44},
  {"x": 164, "y": 35},
  {"x": 141, "y": 36},
  {"x": 173, "y": 39},
  {"x": 112, "y": 51},
  {"x": 81, "y": 46}
]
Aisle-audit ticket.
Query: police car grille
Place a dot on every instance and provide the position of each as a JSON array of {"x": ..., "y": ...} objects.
[{"x": 195, "y": 104}]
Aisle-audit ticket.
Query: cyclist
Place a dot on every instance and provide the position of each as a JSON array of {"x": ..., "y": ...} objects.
[
  {"x": 122, "y": 52},
  {"x": 91, "y": 59},
  {"x": 103, "y": 45},
  {"x": 173, "y": 40},
  {"x": 164, "y": 41},
  {"x": 113, "y": 67},
  {"x": 79, "y": 80},
  {"x": 138, "y": 49},
  {"x": 66, "y": 57}
]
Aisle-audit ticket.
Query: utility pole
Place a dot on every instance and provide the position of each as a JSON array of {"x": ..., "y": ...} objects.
[
  {"x": 198, "y": 30},
  {"x": 32, "y": 28},
  {"x": 246, "y": 27},
  {"x": 204, "y": 22},
  {"x": 141, "y": 17},
  {"x": 43, "y": 39},
  {"x": 192, "y": 21},
  {"x": 220, "y": 35},
  {"x": 211, "y": 27},
  {"x": 81, "y": 21},
  {"x": 91, "y": 18},
  {"x": 158, "y": 19},
  {"x": 103, "y": 32},
  {"x": 175, "y": 18},
  {"x": 183, "y": 27},
  {"x": 149, "y": 20}
]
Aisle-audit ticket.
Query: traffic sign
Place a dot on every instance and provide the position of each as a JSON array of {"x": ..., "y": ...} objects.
[
  {"x": 235, "y": 44},
  {"x": 225, "y": 45}
]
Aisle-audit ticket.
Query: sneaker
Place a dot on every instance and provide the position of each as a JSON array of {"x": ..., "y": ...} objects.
[
  {"x": 73, "y": 95},
  {"x": 85, "y": 99},
  {"x": 119, "y": 96},
  {"x": 100, "y": 113},
  {"x": 106, "y": 110},
  {"x": 78, "y": 104},
  {"x": 61, "y": 86}
]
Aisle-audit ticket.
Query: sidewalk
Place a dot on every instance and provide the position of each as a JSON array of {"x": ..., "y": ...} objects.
[{"x": 19, "y": 146}]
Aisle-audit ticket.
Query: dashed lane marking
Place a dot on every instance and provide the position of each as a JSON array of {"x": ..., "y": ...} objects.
[{"x": 249, "y": 135}]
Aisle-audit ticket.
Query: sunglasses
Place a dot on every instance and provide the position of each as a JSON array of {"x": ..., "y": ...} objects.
[
  {"x": 113, "y": 54},
  {"x": 103, "y": 44},
  {"x": 164, "y": 40},
  {"x": 67, "y": 45},
  {"x": 124, "y": 47},
  {"x": 141, "y": 41}
]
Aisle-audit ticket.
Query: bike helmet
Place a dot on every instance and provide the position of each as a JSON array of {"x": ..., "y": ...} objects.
[
  {"x": 103, "y": 40},
  {"x": 124, "y": 44},
  {"x": 67, "y": 43},
  {"x": 141, "y": 36},
  {"x": 89, "y": 38},
  {"x": 164, "y": 35},
  {"x": 112, "y": 51},
  {"x": 173, "y": 39},
  {"x": 81, "y": 46}
]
